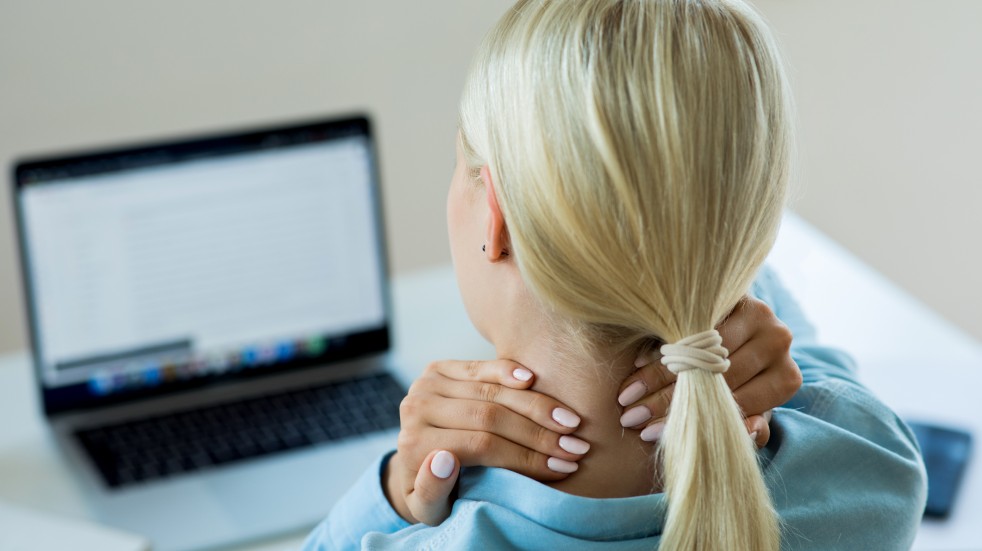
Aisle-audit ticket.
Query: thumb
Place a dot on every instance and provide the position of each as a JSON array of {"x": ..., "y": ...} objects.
[{"x": 429, "y": 501}]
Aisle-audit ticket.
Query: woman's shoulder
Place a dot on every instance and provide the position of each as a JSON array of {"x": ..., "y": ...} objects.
[{"x": 842, "y": 466}]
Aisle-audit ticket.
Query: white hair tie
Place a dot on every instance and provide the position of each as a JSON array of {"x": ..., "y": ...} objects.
[{"x": 702, "y": 351}]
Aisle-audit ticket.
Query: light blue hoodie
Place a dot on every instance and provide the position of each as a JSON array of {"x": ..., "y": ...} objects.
[{"x": 843, "y": 470}]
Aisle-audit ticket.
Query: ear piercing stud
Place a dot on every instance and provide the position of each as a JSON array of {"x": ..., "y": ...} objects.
[{"x": 485, "y": 246}]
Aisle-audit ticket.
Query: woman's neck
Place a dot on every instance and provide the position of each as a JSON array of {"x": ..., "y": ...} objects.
[{"x": 619, "y": 463}]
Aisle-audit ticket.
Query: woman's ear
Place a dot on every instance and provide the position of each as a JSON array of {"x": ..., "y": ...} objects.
[{"x": 496, "y": 244}]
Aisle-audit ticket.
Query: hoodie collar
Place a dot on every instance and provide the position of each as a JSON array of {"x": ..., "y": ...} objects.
[{"x": 580, "y": 517}]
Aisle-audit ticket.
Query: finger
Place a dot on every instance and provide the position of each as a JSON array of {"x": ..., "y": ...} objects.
[
  {"x": 504, "y": 372},
  {"x": 745, "y": 337},
  {"x": 429, "y": 500},
  {"x": 769, "y": 389},
  {"x": 738, "y": 327},
  {"x": 767, "y": 345},
  {"x": 543, "y": 410},
  {"x": 759, "y": 429},
  {"x": 485, "y": 449},
  {"x": 646, "y": 357},
  {"x": 653, "y": 431},
  {"x": 747, "y": 362},
  {"x": 652, "y": 406},
  {"x": 478, "y": 416},
  {"x": 646, "y": 380}
]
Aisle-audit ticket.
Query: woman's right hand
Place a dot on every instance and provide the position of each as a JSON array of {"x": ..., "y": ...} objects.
[{"x": 467, "y": 413}]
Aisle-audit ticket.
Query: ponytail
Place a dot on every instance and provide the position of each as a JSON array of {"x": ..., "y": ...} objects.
[{"x": 706, "y": 454}]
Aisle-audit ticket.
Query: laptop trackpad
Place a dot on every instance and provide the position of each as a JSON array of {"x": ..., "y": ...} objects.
[
  {"x": 296, "y": 489},
  {"x": 282, "y": 493}
]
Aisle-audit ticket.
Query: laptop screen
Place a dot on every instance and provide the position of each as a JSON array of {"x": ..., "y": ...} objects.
[{"x": 163, "y": 267}]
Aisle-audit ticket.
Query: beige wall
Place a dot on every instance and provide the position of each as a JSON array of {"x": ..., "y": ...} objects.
[
  {"x": 887, "y": 90},
  {"x": 75, "y": 74},
  {"x": 890, "y": 107}
]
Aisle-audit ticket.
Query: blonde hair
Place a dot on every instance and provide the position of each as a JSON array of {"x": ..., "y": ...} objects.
[{"x": 641, "y": 151}]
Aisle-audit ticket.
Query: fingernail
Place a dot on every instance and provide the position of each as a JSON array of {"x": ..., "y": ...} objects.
[
  {"x": 573, "y": 445},
  {"x": 442, "y": 464},
  {"x": 632, "y": 393},
  {"x": 653, "y": 432},
  {"x": 566, "y": 418},
  {"x": 522, "y": 374},
  {"x": 635, "y": 416},
  {"x": 561, "y": 465},
  {"x": 753, "y": 436}
]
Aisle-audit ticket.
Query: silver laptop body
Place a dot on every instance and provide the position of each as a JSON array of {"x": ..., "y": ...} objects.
[{"x": 196, "y": 273}]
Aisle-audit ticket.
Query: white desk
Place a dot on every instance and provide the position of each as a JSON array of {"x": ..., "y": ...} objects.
[{"x": 917, "y": 362}]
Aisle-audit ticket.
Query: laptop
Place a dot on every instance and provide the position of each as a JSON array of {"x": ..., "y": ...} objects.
[{"x": 209, "y": 321}]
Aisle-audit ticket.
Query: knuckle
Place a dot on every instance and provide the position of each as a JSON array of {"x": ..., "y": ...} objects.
[
  {"x": 794, "y": 379},
  {"x": 432, "y": 367},
  {"x": 413, "y": 406},
  {"x": 481, "y": 444},
  {"x": 545, "y": 437},
  {"x": 538, "y": 402},
  {"x": 424, "y": 385},
  {"x": 407, "y": 405},
  {"x": 473, "y": 369},
  {"x": 756, "y": 306},
  {"x": 425, "y": 380},
  {"x": 407, "y": 440},
  {"x": 416, "y": 386},
  {"x": 783, "y": 335},
  {"x": 529, "y": 460},
  {"x": 489, "y": 392},
  {"x": 487, "y": 416}
]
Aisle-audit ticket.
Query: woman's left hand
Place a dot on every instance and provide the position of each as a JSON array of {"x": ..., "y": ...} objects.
[
  {"x": 475, "y": 413},
  {"x": 762, "y": 374}
]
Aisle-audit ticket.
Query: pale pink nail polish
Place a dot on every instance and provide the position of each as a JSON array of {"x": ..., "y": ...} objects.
[
  {"x": 573, "y": 445},
  {"x": 442, "y": 464},
  {"x": 652, "y": 433},
  {"x": 566, "y": 418},
  {"x": 561, "y": 465},
  {"x": 635, "y": 416},
  {"x": 632, "y": 393},
  {"x": 522, "y": 374}
]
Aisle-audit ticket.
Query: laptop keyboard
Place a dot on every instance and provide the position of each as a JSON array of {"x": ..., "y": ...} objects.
[{"x": 184, "y": 441}]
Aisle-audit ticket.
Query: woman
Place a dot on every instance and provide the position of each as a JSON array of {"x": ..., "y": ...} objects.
[{"x": 622, "y": 169}]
